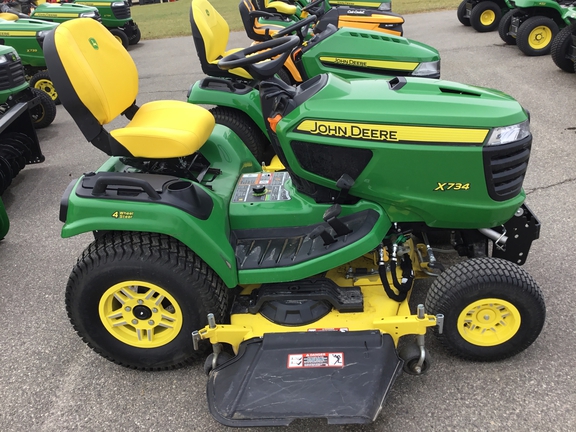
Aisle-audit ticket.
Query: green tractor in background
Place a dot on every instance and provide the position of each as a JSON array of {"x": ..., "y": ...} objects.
[
  {"x": 26, "y": 36},
  {"x": 533, "y": 24},
  {"x": 116, "y": 17}
]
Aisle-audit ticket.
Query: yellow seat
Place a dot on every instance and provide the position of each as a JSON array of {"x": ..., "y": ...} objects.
[
  {"x": 211, "y": 32},
  {"x": 97, "y": 81},
  {"x": 6, "y": 16},
  {"x": 255, "y": 29}
]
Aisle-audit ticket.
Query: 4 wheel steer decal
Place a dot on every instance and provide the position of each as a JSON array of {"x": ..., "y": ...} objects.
[{"x": 123, "y": 215}]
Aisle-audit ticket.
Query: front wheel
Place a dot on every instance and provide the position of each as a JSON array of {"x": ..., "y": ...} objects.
[
  {"x": 461, "y": 13},
  {"x": 135, "y": 299},
  {"x": 120, "y": 36},
  {"x": 492, "y": 308},
  {"x": 44, "y": 113},
  {"x": 561, "y": 48},
  {"x": 485, "y": 16},
  {"x": 535, "y": 35},
  {"x": 504, "y": 28}
]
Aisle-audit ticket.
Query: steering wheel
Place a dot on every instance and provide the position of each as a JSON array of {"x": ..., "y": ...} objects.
[
  {"x": 300, "y": 27},
  {"x": 312, "y": 5},
  {"x": 275, "y": 50}
]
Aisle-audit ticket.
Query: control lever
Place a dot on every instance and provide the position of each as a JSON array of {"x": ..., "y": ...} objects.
[
  {"x": 326, "y": 236},
  {"x": 331, "y": 216},
  {"x": 344, "y": 183}
]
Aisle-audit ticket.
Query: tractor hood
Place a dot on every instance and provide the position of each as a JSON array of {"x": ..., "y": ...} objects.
[
  {"x": 64, "y": 10},
  {"x": 411, "y": 101},
  {"x": 22, "y": 25}
]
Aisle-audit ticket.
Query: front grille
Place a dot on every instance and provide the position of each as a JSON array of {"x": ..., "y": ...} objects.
[
  {"x": 11, "y": 74},
  {"x": 121, "y": 12},
  {"x": 505, "y": 168}
]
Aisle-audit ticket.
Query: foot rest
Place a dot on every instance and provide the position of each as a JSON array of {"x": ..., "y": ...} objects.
[{"x": 343, "y": 377}]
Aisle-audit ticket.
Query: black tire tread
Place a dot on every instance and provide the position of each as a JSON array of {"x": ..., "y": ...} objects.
[
  {"x": 504, "y": 27},
  {"x": 244, "y": 127},
  {"x": 559, "y": 47},
  {"x": 166, "y": 251},
  {"x": 49, "y": 107},
  {"x": 461, "y": 12}
]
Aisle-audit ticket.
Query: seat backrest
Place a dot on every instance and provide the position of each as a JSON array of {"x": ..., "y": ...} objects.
[
  {"x": 94, "y": 75},
  {"x": 210, "y": 32},
  {"x": 254, "y": 30}
]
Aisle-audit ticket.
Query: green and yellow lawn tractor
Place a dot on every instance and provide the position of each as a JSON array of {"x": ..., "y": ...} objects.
[
  {"x": 563, "y": 49},
  {"x": 349, "y": 53},
  {"x": 22, "y": 109},
  {"x": 301, "y": 278},
  {"x": 533, "y": 25},
  {"x": 26, "y": 36},
  {"x": 483, "y": 15},
  {"x": 117, "y": 17}
]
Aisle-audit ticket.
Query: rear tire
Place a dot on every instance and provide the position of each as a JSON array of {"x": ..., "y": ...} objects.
[
  {"x": 504, "y": 28},
  {"x": 492, "y": 308},
  {"x": 461, "y": 14},
  {"x": 135, "y": 299},
  {"x": 244, "y": 127},
  {"x": 560, "y": 46},
  {"x": 485, "y": 16},
  {"x": 44, "y": 113},
  {"x": 536, "y": 34}
]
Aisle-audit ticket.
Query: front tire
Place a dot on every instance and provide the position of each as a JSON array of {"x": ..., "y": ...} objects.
[
  {"x": 44, "y": 113},
  {"x": 485, "y": 16},
  {"x": 461, "y": 14},
  {"x": 120, "y": 37},
  {"x": 244, "y": 127},
  {"x": 136, "y": 38},
  {"x": 504, "y": 28},
  {"x": 492, "y": 308},
  {"x": 560, "y": 48},
  {"x": 42, "y": 81},
  {"x": 536, "y": 34},
  {"x": 135, "y": 299}
]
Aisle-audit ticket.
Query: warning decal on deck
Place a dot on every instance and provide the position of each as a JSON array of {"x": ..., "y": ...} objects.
[
  {"x": 315, "y": 360},
  {"x": 337, "y": 329}
]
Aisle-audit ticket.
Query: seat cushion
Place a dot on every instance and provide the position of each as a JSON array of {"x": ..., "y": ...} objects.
[{"x": 166, "y": 129}]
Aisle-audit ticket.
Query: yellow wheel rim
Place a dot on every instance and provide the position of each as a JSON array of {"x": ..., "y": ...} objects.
[
  {"x": 47, "y": 87},
  {"x": 140, "y": 314},
  {"x": 540, "y": 37},
  {"x": 488, "y": 322},
  {"x": 118, "y": 38},
  {"x": 487, "y": 17}
]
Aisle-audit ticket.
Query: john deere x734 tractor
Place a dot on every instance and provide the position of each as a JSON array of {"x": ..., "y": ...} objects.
[{"x": 300, "y": 279}]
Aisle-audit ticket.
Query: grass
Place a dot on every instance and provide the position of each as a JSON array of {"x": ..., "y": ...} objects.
[{"x": 164, "y": 20}]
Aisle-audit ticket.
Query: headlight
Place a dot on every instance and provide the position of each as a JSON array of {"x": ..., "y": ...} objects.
[
  {"x": 387, "y": 7},
  {"x": 508, "y": 134},
  {"x": 91, "y": 14},
  {"x": 3, "y": 59},
  {"x": 118, "y": 4},
  {"x": 427, "y": 69}
]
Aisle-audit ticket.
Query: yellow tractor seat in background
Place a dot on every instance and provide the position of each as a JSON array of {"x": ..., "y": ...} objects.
[
  {"x": 84, "y": 59},
  {"x": 210, "y": 32}
]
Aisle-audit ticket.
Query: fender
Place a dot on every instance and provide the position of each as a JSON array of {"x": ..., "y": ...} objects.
[
  {"x": 223, "y": 92},
  {"x": 207, "y": 236}
]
